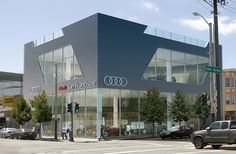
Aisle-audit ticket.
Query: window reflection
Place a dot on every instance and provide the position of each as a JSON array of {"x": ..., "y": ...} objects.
[
  {"x": 174, "y": 66},
  {"x": 66, "y": 61}
]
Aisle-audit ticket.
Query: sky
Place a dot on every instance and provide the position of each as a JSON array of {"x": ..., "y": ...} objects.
[{"x": 22, "y": 21}]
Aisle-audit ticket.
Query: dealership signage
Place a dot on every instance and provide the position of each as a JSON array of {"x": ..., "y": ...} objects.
[
  {"x": 36, "y": 90},
  {"x": 77, "y": 85},
  {"x": 7, "y": 101},
  {"x": 115, "y": 81},
  {"x": 5, "y": 108}
]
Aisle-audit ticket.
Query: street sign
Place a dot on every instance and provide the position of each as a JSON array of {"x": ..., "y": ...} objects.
[{"x": 213, "y": 69}]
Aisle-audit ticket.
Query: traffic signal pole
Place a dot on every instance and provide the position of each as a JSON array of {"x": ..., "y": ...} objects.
[
  {"x": 70, "y": 109},
  {"x": 72, "y": 122}
]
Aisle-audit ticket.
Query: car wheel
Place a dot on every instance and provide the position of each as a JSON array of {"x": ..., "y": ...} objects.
[
  {"x": 216, "y": 146},
  {"x": 163, "y": 137},
  {"x": 198, "y": 143},
  {"x": 173, "y": 136}
]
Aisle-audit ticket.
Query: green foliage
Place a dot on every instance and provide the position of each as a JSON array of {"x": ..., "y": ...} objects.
[
  {"x": 21, "y": 111},
  {"x": 202, "y": 111},
  {"x": 154, "y": 108},
  {"x": 42, "y": 111},
  {"x": 180, "y": 108}
]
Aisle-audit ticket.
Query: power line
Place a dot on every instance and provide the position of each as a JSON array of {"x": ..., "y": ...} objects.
[
  {"x": 227, "y": 9},
  {"x": 204, "y": 6},
  {"x": 231, "y": 7},
  {"x": 232, "y": 1},
  {"x": 208, "y": 3}
]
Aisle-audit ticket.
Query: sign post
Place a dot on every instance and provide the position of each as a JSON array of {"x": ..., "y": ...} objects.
[{"x": 213, "y": 69}]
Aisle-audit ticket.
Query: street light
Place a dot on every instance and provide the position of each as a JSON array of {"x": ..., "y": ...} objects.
[{"x": 211, "y": 61}]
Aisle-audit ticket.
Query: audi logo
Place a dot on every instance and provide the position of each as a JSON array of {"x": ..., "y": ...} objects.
[{"x": 115, "y": 81}]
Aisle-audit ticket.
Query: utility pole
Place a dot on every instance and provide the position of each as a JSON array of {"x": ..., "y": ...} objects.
[{"x": 218, "y": 60}]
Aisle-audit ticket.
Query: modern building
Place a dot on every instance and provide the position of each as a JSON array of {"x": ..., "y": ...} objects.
[
  {"x": 11, "y": 86},
  {"x": 106, "y": 64},
  {"x": 230, "y": 94}
]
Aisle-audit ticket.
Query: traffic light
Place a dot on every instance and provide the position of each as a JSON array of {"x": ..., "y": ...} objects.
[
  {"x": 69, "y": 107},
  {"x": 204, "y": 99},
  {"x": 76, "y": 107}
]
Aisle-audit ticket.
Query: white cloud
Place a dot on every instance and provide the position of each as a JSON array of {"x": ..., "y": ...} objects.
[
  {"x": 149, "y": 5},
  {"x": 226, "y": 26}
]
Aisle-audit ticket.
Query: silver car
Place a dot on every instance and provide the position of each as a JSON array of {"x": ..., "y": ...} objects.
[{"x": 6, "y": 132}]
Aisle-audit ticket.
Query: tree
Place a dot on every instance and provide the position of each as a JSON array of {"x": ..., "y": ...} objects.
[
  {"x": 42, "y": 111},
  {"x": 202, "y": 110},
  {"x": 180, "y": 108},
  {"x": 21, "y": 111},
  {"x": 154, "y": 108}
]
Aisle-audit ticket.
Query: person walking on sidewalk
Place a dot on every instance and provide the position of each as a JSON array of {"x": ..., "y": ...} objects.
[{"x": 64, "y": 133}]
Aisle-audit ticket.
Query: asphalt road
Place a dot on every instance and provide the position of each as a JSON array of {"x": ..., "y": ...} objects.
[{"x": 154, "y": 146}]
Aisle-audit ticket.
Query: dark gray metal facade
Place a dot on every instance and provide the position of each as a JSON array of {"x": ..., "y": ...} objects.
[{"x": 106, "y": 45}]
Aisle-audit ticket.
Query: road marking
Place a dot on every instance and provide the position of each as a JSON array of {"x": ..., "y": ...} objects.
[
  {"x": 136, "y": 151},
  {"x": 113, "y": 148},
  {"x": 200, "y": 151}
]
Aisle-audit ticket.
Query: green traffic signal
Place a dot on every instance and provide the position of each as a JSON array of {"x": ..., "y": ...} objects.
[{"x": 76, "y": 107}]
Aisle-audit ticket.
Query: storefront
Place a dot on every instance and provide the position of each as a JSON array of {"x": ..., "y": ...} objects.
[
  {"x": 106, "y": 64},
  {"x": 11, "y": 87}
]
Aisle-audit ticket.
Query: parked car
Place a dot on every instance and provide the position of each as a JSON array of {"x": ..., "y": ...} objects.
[
  {"x": 6, "y": 132},
  {"x": 23, "y": 133},
  {"x": 176, "y": 132},
  {"x": 217, "y": 134}
]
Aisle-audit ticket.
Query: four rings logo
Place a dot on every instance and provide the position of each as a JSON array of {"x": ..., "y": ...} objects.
[{"x": 115, "y": 81}]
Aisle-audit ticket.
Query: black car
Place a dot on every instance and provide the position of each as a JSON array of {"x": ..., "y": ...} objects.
[
  {"x": 24, "y": 134},
  {"x": 176, "y": 132}
]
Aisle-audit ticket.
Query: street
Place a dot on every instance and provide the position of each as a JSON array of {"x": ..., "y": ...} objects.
[{"x": 152, "y": 146}]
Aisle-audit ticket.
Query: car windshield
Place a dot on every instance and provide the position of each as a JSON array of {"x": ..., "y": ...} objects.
[
  {"x": 11, "y": 129},
  {"x": 174, "y": 128},
  {"x": 26, "y": 130}
]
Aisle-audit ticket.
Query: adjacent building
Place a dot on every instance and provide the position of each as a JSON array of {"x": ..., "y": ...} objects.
[
  {"x": 11, "y": 86},
  {"x": 106, "y": 64},
  {"x": 230, "y": 94}
]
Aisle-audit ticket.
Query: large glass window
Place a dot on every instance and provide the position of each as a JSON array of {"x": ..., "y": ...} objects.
[
  {"x": 66, "y": 62},
  {"x": 80, "y": 117},
  {"x": 174, "y": 66},
  {"x": 47, "y": 67},
  {"x": 91, "y": 106},
  {"x": 191, "y": 69}
]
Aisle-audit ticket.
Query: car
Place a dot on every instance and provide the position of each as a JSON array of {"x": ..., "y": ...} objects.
[
  {"x": 217, "y": 134},
  {"x": 23, "y": 133},
  {"x": 176, "y": 132},
  {"x": 6, "y": 132}
]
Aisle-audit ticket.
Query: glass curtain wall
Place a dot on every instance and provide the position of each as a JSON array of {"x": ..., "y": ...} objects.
[
  {"x": 84, "y": 120},
  {"x": 120, "y": 113},
  {"x": 174, "y": 66},
  {"x": 67, "y": 65}
]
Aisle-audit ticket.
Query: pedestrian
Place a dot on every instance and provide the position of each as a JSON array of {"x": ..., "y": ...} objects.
[
  {"x": 128, "y": 129},
  {"x": 191, "y": 127},
  {"x": 64, "y": 133},
  {"x": 101, "y": 133},
  {"x": 69, "y": 133}
]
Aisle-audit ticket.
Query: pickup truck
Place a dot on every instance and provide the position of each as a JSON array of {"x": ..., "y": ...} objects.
[{"x": 217, "y": 134}]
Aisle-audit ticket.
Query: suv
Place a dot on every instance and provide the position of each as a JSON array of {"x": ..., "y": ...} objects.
[
  {"x": 217, "y": 134},
  {"x": 6, "y": 132}
]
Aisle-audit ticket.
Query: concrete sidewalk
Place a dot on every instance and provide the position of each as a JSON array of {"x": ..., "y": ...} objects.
[{"x": 76, "y": 139}]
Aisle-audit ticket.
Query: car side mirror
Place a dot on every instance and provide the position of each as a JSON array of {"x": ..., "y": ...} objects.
[{"x": 208, "y": 128}]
